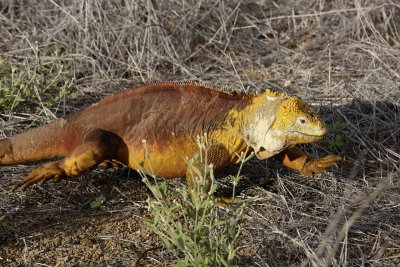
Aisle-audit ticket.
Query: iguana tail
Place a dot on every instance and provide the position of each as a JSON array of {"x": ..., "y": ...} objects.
[{"x": 35, "y": 144}]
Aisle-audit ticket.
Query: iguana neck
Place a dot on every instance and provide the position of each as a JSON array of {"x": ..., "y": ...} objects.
[
  {"x": 258, "y": 117},
  {"x": 241, "y": 127}
]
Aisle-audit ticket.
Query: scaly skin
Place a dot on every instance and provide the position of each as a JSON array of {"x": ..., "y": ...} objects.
[{"x": 170, "y": 116}]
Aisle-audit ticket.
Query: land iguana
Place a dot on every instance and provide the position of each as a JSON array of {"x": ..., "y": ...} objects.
[{"x": 169, "y": 116}]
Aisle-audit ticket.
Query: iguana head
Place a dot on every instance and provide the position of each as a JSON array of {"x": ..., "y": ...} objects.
[
  {"x": 281, "y": 122},
  {"x": 298, "y": 123}
]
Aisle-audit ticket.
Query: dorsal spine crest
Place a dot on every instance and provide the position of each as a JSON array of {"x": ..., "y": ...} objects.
[
  {"x": 274, "y": 93},
  {"x": 222, "y": 89}
]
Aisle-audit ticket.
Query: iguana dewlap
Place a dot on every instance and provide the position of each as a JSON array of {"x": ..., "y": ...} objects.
[{"x": 170, "y": 116}]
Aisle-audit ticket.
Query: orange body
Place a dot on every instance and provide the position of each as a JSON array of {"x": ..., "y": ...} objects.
[{"x": 163, "y": 119}]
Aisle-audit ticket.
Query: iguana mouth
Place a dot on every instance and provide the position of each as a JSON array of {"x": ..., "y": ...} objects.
[
  {"x": 262, "y": 153},
  {"x": 309, "y": 135}
]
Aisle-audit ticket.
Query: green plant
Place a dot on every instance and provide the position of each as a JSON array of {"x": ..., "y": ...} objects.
[
  {"x": 189, "y": 226},
  {"x": 98, "y": 203},
  {"x": 34, "y": 80},
  {"x": 336, "y": 142}
]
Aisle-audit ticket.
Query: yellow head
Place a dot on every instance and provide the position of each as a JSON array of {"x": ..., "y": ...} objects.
[
  {"x": 298, "y": 123},
  {"x": 281, "y": 122}
]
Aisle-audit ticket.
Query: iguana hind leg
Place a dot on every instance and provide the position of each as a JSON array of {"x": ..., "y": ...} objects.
[{"x": 97, "y": 147}]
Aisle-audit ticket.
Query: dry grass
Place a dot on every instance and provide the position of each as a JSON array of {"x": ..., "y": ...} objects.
[{"x": 341, "y": 56}]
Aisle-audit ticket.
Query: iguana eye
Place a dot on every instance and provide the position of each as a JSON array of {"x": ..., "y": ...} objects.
[{"x": 302, "y": 120}]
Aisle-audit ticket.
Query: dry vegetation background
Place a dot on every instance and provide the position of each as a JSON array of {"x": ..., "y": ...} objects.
[{"x": 341, "y": 56}]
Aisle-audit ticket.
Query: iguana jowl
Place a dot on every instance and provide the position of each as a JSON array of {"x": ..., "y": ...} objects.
[{"x": 170, "y": 116}]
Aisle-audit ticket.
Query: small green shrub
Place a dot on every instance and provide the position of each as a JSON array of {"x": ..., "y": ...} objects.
[
  {"x": 98, "y": 202},
  {"x": 33, "y": 80},
  {"x": 189, "y": 226},
  {"x": 335, "y": 129}
]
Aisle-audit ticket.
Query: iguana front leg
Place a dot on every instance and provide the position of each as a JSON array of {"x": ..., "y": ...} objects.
[
  {"x": 296, "y": 159},
  {"x": 97, "y": 147}
]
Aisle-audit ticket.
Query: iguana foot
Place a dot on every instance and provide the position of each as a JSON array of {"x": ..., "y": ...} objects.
[
  {"x": 315, "y": 166},
  {"x": 297, "y": 160},
  {"x": 48, "y": 171},
  {"x": 108, "y": 164}
]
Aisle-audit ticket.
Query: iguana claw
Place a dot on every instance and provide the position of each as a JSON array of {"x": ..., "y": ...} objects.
[
  {"x": 315, "y": 166},
  {"x": 46, "y": 172}
]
